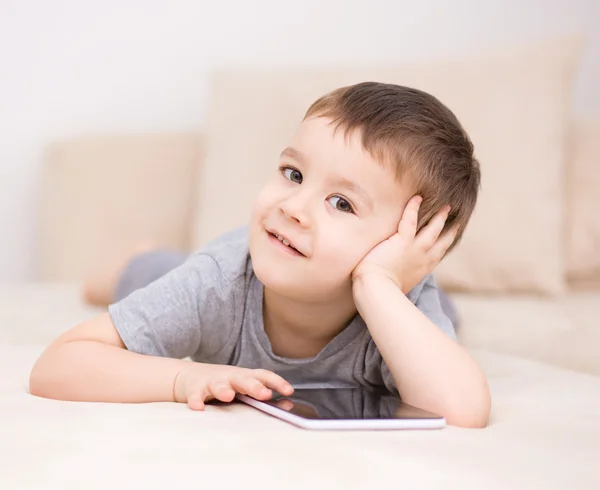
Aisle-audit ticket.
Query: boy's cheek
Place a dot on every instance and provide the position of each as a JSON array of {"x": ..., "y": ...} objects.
[
  {"x": 260, "y": 202},
  {"x": 266, "y": 201},
  {"x": 343, "y": 260}
]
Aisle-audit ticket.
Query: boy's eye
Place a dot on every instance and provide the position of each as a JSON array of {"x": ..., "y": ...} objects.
[
  {"x": 293, "y": 175},
  {"x": 341, "y": 204}
]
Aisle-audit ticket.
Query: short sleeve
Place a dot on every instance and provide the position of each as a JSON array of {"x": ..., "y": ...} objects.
[
  {"x": 428, "y": 301},
  {"x": 426, "y": 297},
  {"x": 189, "y": 311}
]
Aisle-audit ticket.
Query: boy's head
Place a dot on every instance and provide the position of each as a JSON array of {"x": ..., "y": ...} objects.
[{"x": 341, "y": 186}]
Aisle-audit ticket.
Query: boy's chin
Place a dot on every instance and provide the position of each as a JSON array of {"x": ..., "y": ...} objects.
[
  {"x": 301, "y": 288},
  {"x": 278, "y": 281}
]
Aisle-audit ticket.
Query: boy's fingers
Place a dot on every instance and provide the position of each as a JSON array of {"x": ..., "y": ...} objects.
[
  {"x": 428, "y": 236},
  {"x": 285, "y": 404},
  {"x": 274, "y": 381},
  {"x": 196, "y": 400},
  {"x": 252, "y": 387},
  {"x": 439, "y": 248},
  {"x": 410, "y": 217},
  {"x": 222, "y": 391}
]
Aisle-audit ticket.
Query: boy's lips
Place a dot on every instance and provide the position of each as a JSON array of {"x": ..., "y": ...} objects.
[{"x": 285, "y": 242}]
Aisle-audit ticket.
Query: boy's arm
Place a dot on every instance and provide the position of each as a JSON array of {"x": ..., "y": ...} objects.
[
  {"x": 90, "y": 363},
  {"x": 132, "y": 353},
  {"x": 430, "y": 369}
]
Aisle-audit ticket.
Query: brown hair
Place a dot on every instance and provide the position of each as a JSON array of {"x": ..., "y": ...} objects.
[{"x": 419, "y": 136}]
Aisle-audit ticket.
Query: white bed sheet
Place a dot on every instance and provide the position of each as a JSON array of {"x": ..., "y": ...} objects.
[{"x": 544, "y": 432}]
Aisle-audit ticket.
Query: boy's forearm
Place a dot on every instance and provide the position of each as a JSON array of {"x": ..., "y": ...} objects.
[
  {"x": 92, "y": 371},
  {"x": 431, "y": 371}
]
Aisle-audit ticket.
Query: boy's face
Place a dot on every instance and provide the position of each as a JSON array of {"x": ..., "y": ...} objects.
[{"x": 332, "y": 202}]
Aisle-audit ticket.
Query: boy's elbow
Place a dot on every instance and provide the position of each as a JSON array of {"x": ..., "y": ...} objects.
[
  {"x": 38, "y": 384},
  {"x": 471, "y": 420},
  {"x": 47, "y": 376},
  {"x": 36, "y": 388},
  {"x": 474, "y": 415}
]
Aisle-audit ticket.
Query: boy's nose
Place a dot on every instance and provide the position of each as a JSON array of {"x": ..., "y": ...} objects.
[{"x": 296, "y": 209}]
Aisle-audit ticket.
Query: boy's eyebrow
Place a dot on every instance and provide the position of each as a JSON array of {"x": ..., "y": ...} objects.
[
  {"x": 293, "y": 153},
  {"x": 340, "y": 181},
  {"x": 355, "y": 188}
]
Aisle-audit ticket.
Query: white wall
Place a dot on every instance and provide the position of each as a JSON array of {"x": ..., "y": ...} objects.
[{"x": 74, "y": 66}]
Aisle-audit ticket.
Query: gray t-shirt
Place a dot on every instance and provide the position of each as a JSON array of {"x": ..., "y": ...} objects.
[{"x": 211, "y": 309}]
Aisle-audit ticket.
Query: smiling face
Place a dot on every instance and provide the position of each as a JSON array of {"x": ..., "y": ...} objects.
[{"x": 326, "y": 206}]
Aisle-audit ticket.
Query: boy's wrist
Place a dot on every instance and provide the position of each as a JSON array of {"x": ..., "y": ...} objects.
[
  {"x": 375, "y": 275},
  {"x": 177, "y": 398},
  {"x": 180, "y": 389},
  {"x": 368, "y": 288}
]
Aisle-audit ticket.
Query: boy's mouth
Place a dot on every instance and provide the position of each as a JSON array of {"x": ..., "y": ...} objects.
[{"x": 285, "y": 242}]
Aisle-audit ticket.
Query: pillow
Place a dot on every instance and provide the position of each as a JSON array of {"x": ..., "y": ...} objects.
[
  {"x": 583, "y": 205},
  {"x": 103, "y": 194},
  {"x": 514, "y": 104}
]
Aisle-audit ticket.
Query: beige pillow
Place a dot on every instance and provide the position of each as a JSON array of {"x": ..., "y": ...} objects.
[
  {"x": 561, "y": 331},
  {"x": 514, "y": 104},
  {"x": 583, "y": 205},
  {"x": 103, "y": 194}
]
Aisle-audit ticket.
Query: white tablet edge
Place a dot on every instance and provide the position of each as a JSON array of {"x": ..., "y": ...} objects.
[{"x": 344, "y": 424}]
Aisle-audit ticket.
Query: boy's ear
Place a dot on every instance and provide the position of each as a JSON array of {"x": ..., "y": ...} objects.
[
  {"x": 451, "y": 222},
  {"x": 428, "y": 210},
  {"x": 425, "y": 215}
]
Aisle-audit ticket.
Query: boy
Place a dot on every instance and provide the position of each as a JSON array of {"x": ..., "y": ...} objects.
[{"x": 329, "y": 286}]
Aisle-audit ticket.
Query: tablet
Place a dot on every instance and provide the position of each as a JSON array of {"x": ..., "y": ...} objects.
[{"x": 346, "y": 409}]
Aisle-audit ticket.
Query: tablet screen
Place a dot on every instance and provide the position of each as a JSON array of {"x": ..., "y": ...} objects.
[{"x": 347, "y": 404}]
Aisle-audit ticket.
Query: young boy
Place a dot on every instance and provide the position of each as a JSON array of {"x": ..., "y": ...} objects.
[{"x": 330, "y": 285}]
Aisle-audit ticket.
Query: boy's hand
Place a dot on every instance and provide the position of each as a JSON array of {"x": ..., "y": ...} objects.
[
  {"x": 407, "y": 257},
  {"x": 198, "y": 383}
]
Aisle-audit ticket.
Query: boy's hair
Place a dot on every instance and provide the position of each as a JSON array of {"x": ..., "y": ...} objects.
[{"x": 416, "y": 134}]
